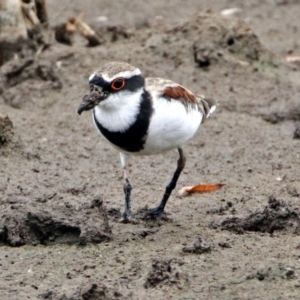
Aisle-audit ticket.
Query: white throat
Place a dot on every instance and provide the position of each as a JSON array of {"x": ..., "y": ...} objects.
[{"x": 118, "y": 112}]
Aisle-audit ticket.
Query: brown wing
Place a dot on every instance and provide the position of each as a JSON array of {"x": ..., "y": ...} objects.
[
  {"x": 206, "y": 105},
  {"x": 179, "y": 93}
]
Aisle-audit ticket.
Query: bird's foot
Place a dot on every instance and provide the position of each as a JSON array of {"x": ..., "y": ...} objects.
[
  {"x": 128, "y": 217},
  {"x": 155, "y": 213}
]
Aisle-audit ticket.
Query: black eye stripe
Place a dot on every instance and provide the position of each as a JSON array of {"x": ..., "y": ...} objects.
[
  {"x": 131, "y": 84},
  {"x": 99, "y": 81}
]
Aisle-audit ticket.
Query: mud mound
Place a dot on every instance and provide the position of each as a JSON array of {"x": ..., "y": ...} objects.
[
  {"x": 291, "y": 112},
  {"x": 111, "y": 33},
  {"x": 22, "y": 77},
  {"x": 269, "y": 272},
  {"x": 9, "y": 141},
  {"x": 6, "y": 131},
  {"x": 276, "y": 216},
  {"x": 21, "y": 48},
  {"x": 210, "y": 39},
  {"x": 83, "y": 290},
  {"x": 166, "y": 272},
  {"x": 199, "y": 247},
  {"x": 297, "y": 132},
  {"x": 88, "y": 224}
]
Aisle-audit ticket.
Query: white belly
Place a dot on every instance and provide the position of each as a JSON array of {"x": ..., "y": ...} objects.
[{"x": 172, "y": 125}]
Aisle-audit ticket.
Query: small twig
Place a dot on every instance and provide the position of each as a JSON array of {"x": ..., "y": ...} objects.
[
  {"x": 41, "y": 11},
  {"x": 30, "y": 14},
  {"x": 40, "y": 50},
  {"x": 85, "y": 30}
]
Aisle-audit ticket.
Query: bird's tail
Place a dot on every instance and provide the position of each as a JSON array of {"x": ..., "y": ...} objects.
[{"x": 207, "y": 106}]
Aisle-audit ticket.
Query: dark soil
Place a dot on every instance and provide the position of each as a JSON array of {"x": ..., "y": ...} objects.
[{"x": 61, "y": 190}]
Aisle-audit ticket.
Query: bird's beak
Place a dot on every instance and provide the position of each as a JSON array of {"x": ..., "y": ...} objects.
[{"x": 90, "y": 101}]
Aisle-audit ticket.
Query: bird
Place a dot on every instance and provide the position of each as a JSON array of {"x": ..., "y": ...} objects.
[{"x": 141, "y": 116}]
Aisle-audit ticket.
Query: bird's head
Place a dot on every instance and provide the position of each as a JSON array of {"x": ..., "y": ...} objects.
[{"x": 114, "y": 81}]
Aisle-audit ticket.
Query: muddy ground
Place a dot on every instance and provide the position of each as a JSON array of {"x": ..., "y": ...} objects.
[{"x": 61, "y": 185}]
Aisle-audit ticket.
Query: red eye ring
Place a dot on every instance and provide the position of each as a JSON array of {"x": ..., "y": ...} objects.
[{"x": 118, "y": 84}]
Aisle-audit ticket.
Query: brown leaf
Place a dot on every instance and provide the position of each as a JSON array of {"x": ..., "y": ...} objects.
[
  {"x": 200, "y": 188},
  {"x": 291, "y": 59}
]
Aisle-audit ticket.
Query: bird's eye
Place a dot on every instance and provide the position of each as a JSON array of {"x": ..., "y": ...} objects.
[{"x": 118, "y": 84}]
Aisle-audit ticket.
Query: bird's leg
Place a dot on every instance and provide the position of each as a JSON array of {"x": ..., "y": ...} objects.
[
  {"x": 127, "y": 215},
  {"x": 127, "y": 191},
  {"x": 158, "y": 211}
]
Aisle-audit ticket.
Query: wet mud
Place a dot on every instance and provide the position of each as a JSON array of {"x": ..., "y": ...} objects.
[{"x": 61, "y": 188}]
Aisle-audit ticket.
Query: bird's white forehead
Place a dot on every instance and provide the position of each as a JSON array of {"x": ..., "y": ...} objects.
[
  {"x": 92, "y": 76},
  {"x": 113, "y": 70},
  {"x": 123, "y": 74}
]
